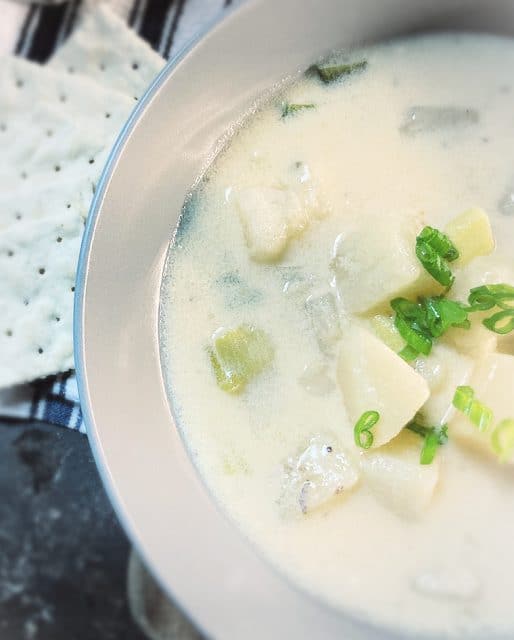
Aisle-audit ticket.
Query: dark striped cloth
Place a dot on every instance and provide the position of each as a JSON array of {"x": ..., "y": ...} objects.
[
  {"x": 36, "y": 32},
  {"x": 165, "y": 24}
]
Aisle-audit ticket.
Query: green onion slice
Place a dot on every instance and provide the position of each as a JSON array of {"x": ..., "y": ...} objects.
[
  {"x": 491, "y": 295},
  {"x": 332, "y": 73},
  {"x": 502, "y": 440},
  {"x": 442, "y": 314},
  {"x": 411, "y": 325},
  {"x": 501, "y": 322},
  {"x": 435, "y": 264},
  {"x": 440, "y": 242},
  {"x": 464, "y": 400},
  {"x": 362, "y": 433},
  {"x": 413, "y": 336},
  {"x": 433, "y": 438},
  {"x": 434, "y": 250},
  {"x": 291, "y": 109},
  {"x": 408, "y": 353},
  {"x": 429, "y": 449}
]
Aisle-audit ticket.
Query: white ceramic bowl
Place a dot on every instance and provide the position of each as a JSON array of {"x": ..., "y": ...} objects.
[{"x": 196, "y": 553}]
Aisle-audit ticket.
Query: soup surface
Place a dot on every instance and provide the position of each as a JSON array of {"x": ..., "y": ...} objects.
[{"x": 278, "y": 333}]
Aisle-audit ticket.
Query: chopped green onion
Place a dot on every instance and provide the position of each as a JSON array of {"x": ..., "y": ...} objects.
[
  {"x": 433, "y": 438},
  {"x": 442, "y": 314},
  {"x": 407, "y": 309},
  {"x": 440, "y": 242},
  {"x": 239, "y": 355},
  {"x": 435, "y": 264},
  {"x": 332, "y": 73},
  {"x": 411, "y": 325},
  {"x": 420, "y": 322},
  {"x": 491, "y": 295},
  {"x": 434, "y": 250},
  {"x": 415, "y": 338},
  {"x": 362, "y": 431},
  {"x": 502, "y": 440},
  {"x": 464, "y": 400},
  {"x": 408, "y": 354},
  {"x": 291, "y": 109},
  {"x": 494, "y": 295},
  {"x": 501, "y": 322},
  {"x": 429, "y": 448}
]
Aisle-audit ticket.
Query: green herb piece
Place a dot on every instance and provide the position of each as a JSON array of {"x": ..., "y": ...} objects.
[
  {"x": 239, "y": 355},
  {"x": 434, "y": 250},
  {"x": 501, "y": 322},
  {"x": 411, "y": 325},
  {"x": 502, "y": 439},
  {"x": 494, "y": 295},
  {"x": 333, "y": 73},
  {"x": 408, "y": 353},
  {"x": 291, "y": 109},
  {"x": 429, "y": 448},
  {"x": 442, "y": 314},
  {"x": 464, "y": 400},
  {"x": 362, "y": 433},
  {"x": 419, "y": 323},
  {"x": 491, "y": 295},
  {"x": 440, "y": 242},
  {"x": 415, "y": 338},
  {"x": 433, "y": 437}
]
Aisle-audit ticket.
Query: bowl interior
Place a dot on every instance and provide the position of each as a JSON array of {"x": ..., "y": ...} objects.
[{"x": 198, "y": 556}]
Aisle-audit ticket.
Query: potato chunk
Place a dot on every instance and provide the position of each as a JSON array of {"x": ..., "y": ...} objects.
[
  {"x": 444, "y": 370},
  {"x": 374, "y": 378},
  {"x": 376, "y": 263},
  {"x": 492, "y": 382},
  {"x": 396, "y": 477},
  {"x": 272, "y": 216},
  {"x": 471, "y": 233},
  {"x": 262, "y": 212}
]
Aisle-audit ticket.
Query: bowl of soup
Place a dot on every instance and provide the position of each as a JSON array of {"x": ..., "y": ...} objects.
[{"x": 295, "y": 320}]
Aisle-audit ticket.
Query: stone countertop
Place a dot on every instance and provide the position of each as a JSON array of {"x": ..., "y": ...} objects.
[{"x": 63, "y": 555}]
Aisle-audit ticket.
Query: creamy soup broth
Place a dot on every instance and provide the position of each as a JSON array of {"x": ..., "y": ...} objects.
[{"x": 447, "y": 567}]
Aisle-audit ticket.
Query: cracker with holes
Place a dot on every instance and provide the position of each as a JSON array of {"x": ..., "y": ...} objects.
[
  {"x": 56, "y": 130},
  {"x": 37, "y": 263},
  {"x": 40, "y": 173},
  {"x": 25, "y": 84},
  {"x": 127, "y": 67}
]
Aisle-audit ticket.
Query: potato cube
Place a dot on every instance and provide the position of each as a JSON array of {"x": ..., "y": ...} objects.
[
  {"x": 471, "y": 233},
  {"x": 396, "y": 477},
  {"x": 262, "y": 212},
  {"x": 376, "y": 263},
  {"x": 374, "y": 378}
]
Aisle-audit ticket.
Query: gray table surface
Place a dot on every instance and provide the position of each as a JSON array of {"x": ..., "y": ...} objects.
[{"x": 63, "y": 556}]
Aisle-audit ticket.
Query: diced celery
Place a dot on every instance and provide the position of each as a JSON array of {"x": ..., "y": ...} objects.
[
  {"x": 472, "y": 235},
  {"x": 239, "y": 355}
]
